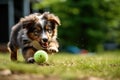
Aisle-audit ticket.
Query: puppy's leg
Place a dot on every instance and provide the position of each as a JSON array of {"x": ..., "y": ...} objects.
[
  {"x": 53, "y": 47},
  {"x": 28, "y": 54},
  {"x": 13, "y": 52}
]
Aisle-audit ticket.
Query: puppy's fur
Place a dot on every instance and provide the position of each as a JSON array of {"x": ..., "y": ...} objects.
[{"x": 32, "y": 33}]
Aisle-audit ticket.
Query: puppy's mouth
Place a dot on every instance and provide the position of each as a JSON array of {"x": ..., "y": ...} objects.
[{"x": 44, "y": 44}]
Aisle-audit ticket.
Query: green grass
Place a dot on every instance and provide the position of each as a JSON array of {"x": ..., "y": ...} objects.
[{"x": 68, "y": 66}]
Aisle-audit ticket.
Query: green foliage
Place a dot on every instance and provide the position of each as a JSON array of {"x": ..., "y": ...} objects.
[{"x": 85, "y": 23}]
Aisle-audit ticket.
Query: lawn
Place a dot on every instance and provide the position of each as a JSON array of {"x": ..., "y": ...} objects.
[{"x": 64, "y": 66}]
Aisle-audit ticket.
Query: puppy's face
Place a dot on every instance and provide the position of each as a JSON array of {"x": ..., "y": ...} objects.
[{"x": 43, "y": 29}]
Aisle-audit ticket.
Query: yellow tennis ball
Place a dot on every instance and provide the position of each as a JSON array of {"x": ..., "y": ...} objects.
[{"x": 40, "y": 56}]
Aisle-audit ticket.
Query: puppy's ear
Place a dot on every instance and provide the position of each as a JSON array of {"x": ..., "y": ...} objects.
[
  {"x": 52, "y": 17},
  {"x": 27, "y": 24},
  {"x": 28, "y": 21},
  {"x": 55, "y": 19}
]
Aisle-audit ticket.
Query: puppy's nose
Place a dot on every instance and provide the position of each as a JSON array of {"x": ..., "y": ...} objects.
[{"x": 45, "y": 39}]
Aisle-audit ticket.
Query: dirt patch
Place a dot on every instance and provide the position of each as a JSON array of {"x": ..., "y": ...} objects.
[
  {"x": 6, "y": 74},
  {"x": 27, "y": 77},
  {"x": 40, "y": 77}
]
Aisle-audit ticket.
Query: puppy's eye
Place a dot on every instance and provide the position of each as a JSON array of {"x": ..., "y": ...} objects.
[
  {"x": 36, "y": 33},
  {"x": 49, "y": 30}
]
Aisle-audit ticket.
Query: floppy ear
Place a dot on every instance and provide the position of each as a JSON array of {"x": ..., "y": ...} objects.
[
  {"x": 52, "y": 17},
  {"x": 55, "y": 19},
  {"x": 28, "y": 21},
  {"x": 27, "y": 24}
]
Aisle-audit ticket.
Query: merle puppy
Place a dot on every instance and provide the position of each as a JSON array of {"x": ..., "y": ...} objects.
[{"x": 32, "y": 33}]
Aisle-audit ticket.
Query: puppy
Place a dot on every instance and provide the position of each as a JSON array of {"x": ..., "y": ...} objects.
[{"x": 32, "y": 33}]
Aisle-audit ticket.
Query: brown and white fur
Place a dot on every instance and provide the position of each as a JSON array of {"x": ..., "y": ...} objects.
[{"x": 34, "y": 32}]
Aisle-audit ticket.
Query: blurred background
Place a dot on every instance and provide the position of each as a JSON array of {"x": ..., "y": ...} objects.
[{"x": 87, "y": 25}]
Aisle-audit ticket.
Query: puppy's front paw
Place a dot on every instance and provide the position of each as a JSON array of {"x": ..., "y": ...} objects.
[
  {"x": 30, "y": 60},
  {"x": 52, "y": 49}
]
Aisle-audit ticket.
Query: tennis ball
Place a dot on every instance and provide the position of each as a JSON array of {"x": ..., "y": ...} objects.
[{"x": 40, "y": 56}]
